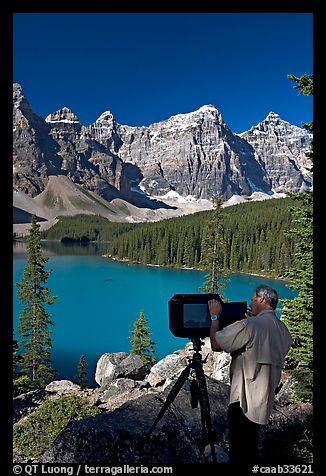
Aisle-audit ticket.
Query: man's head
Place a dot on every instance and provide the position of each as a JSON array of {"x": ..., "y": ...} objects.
[{"x": 264, "y": 297}]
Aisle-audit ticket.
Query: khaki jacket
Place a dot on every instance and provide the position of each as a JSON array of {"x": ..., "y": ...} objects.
[{"x": 258, "y": 346}]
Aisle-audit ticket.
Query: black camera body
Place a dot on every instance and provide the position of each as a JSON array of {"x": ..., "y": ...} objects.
[{"x": 189, "y": 315}]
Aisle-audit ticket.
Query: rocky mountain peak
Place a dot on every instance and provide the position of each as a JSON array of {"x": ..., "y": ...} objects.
[
  {"x": 276, "y": 127},
  {"x": 272, "y": 116},
  {"x": 280, "y": 145},
  {"x": 104, "y": 130},
  {"x": 106, "y": 116},
  {"x": 62, "y": 115},
  {"x": 206, "y": 113},
  {"x": 20, "y": 103},
  {"x": 18, "y": 94},
  {"x": 209, "y": 109},
  {"x": 273, "y": 120}
]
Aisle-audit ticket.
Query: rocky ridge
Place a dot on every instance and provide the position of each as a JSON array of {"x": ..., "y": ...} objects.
[
  {"x": 131, "y": 399},
  {"x": 189, "y": 158}
]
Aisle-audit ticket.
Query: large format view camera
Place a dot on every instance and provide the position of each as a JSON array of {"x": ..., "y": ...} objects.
[{"x": 189, "y": 315}]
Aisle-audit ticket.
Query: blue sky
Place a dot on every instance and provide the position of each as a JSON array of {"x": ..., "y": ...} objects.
[{"x": 146, "y": 67}]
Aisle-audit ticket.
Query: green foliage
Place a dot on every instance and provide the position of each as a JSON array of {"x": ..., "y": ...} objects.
[
  {"x": 298, "y": 313},
  {"x": 305, "y": 84},
  {"x": 180, "y": 242},
  {"x": 38, "y": 431},
  {"x": 141, "y": 342},
  {"x": 213, "y": 252},
  {"x": 22, "y": 384},
  {"x": 16, "y": 359},
  {"x": 35, "y": 342},
  {"x": 87, "y": 227},
  {"x": 82, "y": 374}
]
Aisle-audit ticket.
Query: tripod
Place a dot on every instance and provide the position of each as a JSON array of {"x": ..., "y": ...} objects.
[{"x": 198, "y": 393}]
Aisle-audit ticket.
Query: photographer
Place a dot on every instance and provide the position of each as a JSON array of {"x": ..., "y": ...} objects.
[{"x": 258, "y": 346}]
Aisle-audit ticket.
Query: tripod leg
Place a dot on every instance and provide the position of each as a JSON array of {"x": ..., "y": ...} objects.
[
  {"x": 205, "y": 408},
  {"x": 169, "y": 399}
]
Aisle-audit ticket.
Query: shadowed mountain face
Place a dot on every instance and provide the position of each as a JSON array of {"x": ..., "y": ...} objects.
[{"x": 194, "y": 154}]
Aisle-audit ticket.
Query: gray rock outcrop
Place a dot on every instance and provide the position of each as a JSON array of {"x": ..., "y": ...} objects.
[
  {"x": 132, "y": 408},
  {"x": 118, "y": 392},
  {"x": 26, "y": 403},
  {"x": 118, "y": 436},
  {"x": 62, "y": 387},
  {"x": 221, "y": 367},
  {"x": 119, "y": 364},
  {"x": 168, "y": 368}
]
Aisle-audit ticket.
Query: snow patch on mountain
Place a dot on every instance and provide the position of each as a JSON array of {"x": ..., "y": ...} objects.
[{"x": 188, "y": 204}]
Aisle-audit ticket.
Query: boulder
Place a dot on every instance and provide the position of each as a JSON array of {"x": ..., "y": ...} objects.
[
  {"x": 62, "y": 387},
  {"x": 120, "y": 391},
  {"x": 169, "y": 367},
  {"x": 115, "y": 365},
  {"x": 285, "y": 392},
  {"x": 221, "y": 367},
  {"x": 215, "y": 364}
]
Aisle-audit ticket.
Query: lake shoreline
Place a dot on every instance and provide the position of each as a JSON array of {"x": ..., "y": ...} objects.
[
  {"x": 186, "y": 268},
  {"x": 126, "y": 260}
]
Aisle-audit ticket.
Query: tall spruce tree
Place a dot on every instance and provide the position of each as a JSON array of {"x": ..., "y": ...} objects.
[
  {"x": 213, "y": 252},
  {"x": 82, "y": 372},
  {"x": 141, "y": 342},
  {"x": 298, "y": 312},
  {"x": 34, "y": 321}
]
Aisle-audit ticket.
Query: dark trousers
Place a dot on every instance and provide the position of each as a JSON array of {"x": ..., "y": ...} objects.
[{"x": 243, "y": 437}]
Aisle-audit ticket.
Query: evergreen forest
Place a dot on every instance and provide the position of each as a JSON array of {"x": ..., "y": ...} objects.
[
  {"x": 253, "y": 234},
  {"x": 85, "y": 228}
]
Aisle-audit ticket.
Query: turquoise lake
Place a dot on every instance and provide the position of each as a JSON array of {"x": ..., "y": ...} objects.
[{"x": 99, "y": 300}]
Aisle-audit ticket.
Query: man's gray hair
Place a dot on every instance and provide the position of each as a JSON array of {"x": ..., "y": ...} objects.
[{"x": 270, "y": 295}]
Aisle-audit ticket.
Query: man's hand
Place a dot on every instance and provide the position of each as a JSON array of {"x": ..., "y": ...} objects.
[{"x": 214, "y": 307}]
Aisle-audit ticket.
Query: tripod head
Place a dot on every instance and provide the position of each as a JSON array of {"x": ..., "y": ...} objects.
[
  {"x": 197, "y": 357},
  {"x": 197, "y": 343}
]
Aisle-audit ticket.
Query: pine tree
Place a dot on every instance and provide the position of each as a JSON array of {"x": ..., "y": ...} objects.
[
  {"x": 21, "y": 382},
  {"x": 34, "y": 321},
  {"x": 82, "y": 373},
  {"x": 141, "y": 342},
  {"x": 213, "y": 251},
  {"x": 298, "y": 313}
]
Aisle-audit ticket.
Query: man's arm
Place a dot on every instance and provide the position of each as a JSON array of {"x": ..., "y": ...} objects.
[
  {"x": 215, "y": 308},
  {"x": 215, "y": 326}
]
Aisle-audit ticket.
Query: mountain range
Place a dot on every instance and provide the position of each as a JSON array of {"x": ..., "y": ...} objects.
[{"x": 169, "y": 168}]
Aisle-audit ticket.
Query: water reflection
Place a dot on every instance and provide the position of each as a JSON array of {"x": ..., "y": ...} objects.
[{"x": 55, "y": 248}]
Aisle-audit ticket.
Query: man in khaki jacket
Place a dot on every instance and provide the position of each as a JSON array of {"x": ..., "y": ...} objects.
[{"x": 258, "y": 346}]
